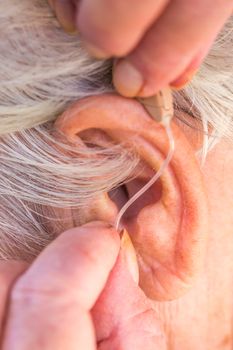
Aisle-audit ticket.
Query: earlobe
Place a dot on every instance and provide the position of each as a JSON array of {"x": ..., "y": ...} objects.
[{"x": 169, "y": 226}]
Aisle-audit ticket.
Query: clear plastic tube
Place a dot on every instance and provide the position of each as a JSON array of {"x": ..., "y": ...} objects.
[{"x": 167, "y": 126}]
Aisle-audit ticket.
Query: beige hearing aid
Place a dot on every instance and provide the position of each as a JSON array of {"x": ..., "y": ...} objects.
[{"x": 159, "y": 106}]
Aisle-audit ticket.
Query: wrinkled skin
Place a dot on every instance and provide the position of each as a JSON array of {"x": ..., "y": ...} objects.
[
  {"x": 50, "y": 302},
  {"x": 82, "y": 291}
]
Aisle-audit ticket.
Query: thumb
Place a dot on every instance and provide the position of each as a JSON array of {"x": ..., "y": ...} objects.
[{"x": 123, "y": 316}]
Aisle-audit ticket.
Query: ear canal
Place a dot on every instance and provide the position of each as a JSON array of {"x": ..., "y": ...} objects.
[{"x": 169, "y": 230}]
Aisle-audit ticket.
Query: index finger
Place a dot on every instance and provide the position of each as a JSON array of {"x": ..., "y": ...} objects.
[
  {"x": 116, "y": 27},
  {"x": 58, "y": 290},
  {"x": 185, "y": 29}
]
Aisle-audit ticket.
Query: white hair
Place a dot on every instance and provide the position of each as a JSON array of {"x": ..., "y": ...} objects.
[{"x": 42, "y": 71}]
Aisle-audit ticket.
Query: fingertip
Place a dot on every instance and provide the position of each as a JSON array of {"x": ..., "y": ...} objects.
[
  {"x": 102, "y": 224},
  {"x": 10, "y": 269},
  {"x": 80, "y": 258},
  {"x": 127, "y": 79},
  {"x": 181, "y": 82},
  {"x": 66, "y": 14},
  {"x": 105, "y": 229},
  {"x": 129, "y": 256},
  {"x": 95, "y": 51},
  {"x": 184, "y": 79}
]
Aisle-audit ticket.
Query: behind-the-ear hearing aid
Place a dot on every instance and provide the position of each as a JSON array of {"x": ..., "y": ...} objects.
[{"x": 160, "y": 108}]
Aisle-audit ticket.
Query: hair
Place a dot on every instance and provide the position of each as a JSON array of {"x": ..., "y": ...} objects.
[{"x": 43, "y": 70}]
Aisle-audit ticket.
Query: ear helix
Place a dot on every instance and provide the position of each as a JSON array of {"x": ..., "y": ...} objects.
[
  {"x": 160, "y": 108},
  {"x": 174, "y": 228}
]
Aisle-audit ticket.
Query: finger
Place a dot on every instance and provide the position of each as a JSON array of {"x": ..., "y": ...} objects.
[
  {"x": 113, "y": 28},
  {"x": 65, "y": 11},
  {"x": 123, "y": 316},
  {"x": 169, "y": 46},
  {"x": 9, "y": 271},
  {"x": 47, "y": 323},
  {"x": 191, "y": 70},
  {"x": 50, "y": 302}
]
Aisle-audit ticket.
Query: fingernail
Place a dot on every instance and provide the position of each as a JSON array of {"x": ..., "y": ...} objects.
[
  {"x": 127, "y": 80},
  {"x": 65, "y": 13},
  {"x": 129, "y": 255},
  {"x": 183, "y": 80},
  {"x": 95, "y": 51},
  {"x": 99, "y": 224}
]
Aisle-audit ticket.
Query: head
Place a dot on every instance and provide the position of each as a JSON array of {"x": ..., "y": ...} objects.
[{"x": 72, "y": 151}]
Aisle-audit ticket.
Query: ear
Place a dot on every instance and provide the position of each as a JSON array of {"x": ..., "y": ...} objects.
[{"x": 168, "y": 225}]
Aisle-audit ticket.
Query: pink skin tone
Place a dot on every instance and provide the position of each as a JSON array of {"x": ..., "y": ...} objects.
[
  {"x": 156, "y": 41},
  {"x": 84, "y": 286},
  {"x": 180, "y": 250},
  {"x": 50, "y": 305}
]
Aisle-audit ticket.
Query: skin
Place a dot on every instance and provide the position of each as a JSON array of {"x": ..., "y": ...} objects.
[
  {"x": 157, "y": 43},
  {"x": 52, "y": 295},
  {"x": 69, "y": 297},
  {"x": 108, "y": 310}
]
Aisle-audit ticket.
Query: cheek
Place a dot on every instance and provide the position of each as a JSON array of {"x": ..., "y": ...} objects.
[{"x": 217, "y": 172}]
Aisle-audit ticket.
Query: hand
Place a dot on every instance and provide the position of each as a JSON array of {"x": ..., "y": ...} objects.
[
  {"x": 48, "y": 305},
  {"x": 161, "y": 42}
]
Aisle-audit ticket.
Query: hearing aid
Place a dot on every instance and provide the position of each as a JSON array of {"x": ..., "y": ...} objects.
[{"x": 159, "y": 106}]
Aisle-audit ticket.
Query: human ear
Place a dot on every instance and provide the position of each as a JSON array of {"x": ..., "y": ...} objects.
[{"x": 168, "y": 224}]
